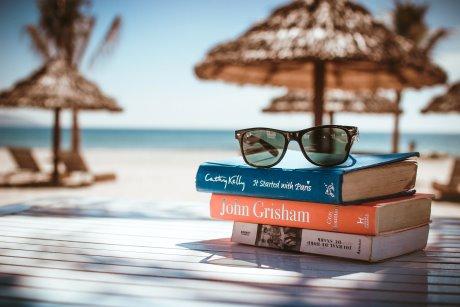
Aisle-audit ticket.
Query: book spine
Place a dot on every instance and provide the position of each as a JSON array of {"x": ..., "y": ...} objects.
[
  {"x": 315, "y": 186},
  {"x": 356, "y": 219},
  {"x": 343, "y": 245}
]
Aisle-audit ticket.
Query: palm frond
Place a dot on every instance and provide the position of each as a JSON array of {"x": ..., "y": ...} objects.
[
  {"x": 83, "y": 35},
  {"x": 109, "y": 40},
  {"x": 38, "y": 42},
  {"x": 58, "y": 20},
  {"x": 433, "y": 40},
  {"x": 409, "y": 20}
]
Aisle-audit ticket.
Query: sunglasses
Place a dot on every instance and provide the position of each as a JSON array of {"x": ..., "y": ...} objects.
[{"x": 327, "y": 145}]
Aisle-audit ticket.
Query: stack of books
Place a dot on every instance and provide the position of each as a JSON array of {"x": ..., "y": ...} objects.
[{"x": 364, "y": 209}]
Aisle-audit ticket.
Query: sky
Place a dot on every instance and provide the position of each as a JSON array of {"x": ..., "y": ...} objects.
[{"x": 150, "y": 73}]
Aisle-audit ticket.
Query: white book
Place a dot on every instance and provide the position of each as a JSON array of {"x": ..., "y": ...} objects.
[{"x": 352, "y": 246}]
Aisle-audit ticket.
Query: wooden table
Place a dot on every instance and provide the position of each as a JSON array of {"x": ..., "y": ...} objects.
[{"x": 115, "y": 253}]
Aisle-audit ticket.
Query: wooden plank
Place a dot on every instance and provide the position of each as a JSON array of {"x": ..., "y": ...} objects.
[
  {"x": 85, "y": 282},
  {"x": 212, "y": 245},
  {"x": 39, "y": 296},
  {"x": 298, "y": 266},
  {"x": 228, "y": 274},
  {"x": 82, "y": 258},
  {"x": 306, "y": 260},
  {"x": 60, "y": 253}
]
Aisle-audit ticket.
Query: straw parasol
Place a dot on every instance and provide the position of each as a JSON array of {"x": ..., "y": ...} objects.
[
  {"x": 336, "y": 101},
  {"x": 57, "y": 86},
  {"x": 318, "y": 44},
  {"x": 446, "y": 103}
]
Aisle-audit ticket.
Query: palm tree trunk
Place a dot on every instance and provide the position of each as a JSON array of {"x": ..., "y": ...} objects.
[
  {"x": 75, "y": 132},
  {"x": 396, "y": 122}
]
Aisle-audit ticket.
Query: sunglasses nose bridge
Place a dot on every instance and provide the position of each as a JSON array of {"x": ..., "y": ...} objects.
[{"x": 293, "y": 136}]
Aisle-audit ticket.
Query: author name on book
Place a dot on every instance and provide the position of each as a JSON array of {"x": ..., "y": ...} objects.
[
  {"x": 263, "y": 211},
  {"x": 235, "y": 180}
]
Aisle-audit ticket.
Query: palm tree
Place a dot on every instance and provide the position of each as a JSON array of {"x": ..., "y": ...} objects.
[
  {"x": 408, "y": 20},
  {"x": 64, "y": 31}
]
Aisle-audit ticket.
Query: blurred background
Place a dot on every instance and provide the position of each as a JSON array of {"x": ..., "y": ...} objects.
[{"x": 134, "y": 81}]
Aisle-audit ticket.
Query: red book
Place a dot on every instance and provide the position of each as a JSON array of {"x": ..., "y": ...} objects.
[{"x": 370, "y": 218}]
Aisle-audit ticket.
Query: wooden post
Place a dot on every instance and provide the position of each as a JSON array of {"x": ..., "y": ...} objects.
[
  {"x": 318, "y": 90},
  {"x": 75, "y": 132},
  {"x": 395, "y": 147},
  {"x": 331, "y": 118},
  {"x": 56, "y": 145}
]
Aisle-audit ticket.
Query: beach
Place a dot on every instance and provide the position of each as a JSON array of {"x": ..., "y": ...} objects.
[{"x": 167, "y": 175}]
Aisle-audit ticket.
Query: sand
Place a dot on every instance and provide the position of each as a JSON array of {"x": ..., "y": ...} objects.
[{"x": 169, "y": 175}]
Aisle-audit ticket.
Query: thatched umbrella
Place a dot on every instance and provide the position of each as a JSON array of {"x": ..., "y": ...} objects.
[
  {"x": 57, "y": 86},
  {"x": 446, "y": 103},
  {"x": 318, "y": 44},
  {"x": 337, "y": 101}
]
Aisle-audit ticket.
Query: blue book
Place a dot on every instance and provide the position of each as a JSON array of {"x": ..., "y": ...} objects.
[{"x": 360, "y": 178}]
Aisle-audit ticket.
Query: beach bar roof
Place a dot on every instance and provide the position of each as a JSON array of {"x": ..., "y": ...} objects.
[
  {"x": 336, "y": 101},
  {"x": 57, "y": 86},
  {"x": 446, "y": 103},
  {"x": 318, "y": 44}
]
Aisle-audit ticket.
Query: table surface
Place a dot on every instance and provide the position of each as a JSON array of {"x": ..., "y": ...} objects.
[{"x": 116, "y": 253}]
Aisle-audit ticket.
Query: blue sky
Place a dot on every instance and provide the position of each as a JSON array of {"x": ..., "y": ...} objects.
[{"x": 150, "y": 73}]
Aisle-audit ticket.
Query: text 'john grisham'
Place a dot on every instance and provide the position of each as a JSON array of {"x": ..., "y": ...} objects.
[{"x": 263, "y": 210}]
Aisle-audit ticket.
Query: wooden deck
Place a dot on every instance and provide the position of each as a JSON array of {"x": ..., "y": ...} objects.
[{"x": 89, "y": 252}]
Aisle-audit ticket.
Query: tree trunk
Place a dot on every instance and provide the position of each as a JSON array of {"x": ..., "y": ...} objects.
[
  {"x": 56, "y": 145},
  {"x": 396, "y": 122},
  {"x": 319, "y": 84},
  {"x": 75, "y": 132},
  {"x": 331, "y": 118}
]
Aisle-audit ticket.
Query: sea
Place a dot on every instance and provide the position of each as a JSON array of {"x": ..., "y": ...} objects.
[{"x": 209, "y": 139}]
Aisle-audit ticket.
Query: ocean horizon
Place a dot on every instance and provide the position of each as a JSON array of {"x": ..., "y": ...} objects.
[{"x": 200, "y": 139}]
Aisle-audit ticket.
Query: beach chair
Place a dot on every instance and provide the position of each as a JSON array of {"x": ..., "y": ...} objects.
[
  {"x": 24, "y": 159},
  {"x": 74, "y": 163},
  {"x": 451, "y": 190},
  {"x": 27, "y": 172}
]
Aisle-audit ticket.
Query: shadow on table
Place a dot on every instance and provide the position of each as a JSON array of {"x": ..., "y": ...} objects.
[
  {"x": 303, "y": 276},
  {"x": 402, "y": 279},
  {"x": 107, "y": 208},
  {"x": 8, "y": 291}
]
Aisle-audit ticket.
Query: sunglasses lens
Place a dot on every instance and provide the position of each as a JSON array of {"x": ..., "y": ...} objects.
[
  {"x": 326, "y": 146},
  {"x": 263, "y": 147}
]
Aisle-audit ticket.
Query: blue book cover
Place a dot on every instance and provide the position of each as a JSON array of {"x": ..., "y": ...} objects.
[{"x": 293, "y": 178}]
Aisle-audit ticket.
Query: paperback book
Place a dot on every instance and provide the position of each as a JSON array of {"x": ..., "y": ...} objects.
[
  {"x": 352, "y": 246},
  {"x": 371, "y": 218},
  {"x": 360, "y": 178}
]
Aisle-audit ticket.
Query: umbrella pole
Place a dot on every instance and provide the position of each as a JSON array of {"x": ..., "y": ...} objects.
[
  {"x": 396, "y": 123},
  {"x": 319, "y": 84},
  {"x": 56, "y": 145},
  {"x": 331, "y": 118},
  {"x": 75, "y": 132}
]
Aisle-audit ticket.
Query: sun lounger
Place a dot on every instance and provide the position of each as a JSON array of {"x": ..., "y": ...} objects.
[
  {"x": 451, "y": 190},
  {"x": 24, "y": 159},
  {"x": 27, "y": 172},
  {"x": 74, "y": 163}
]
